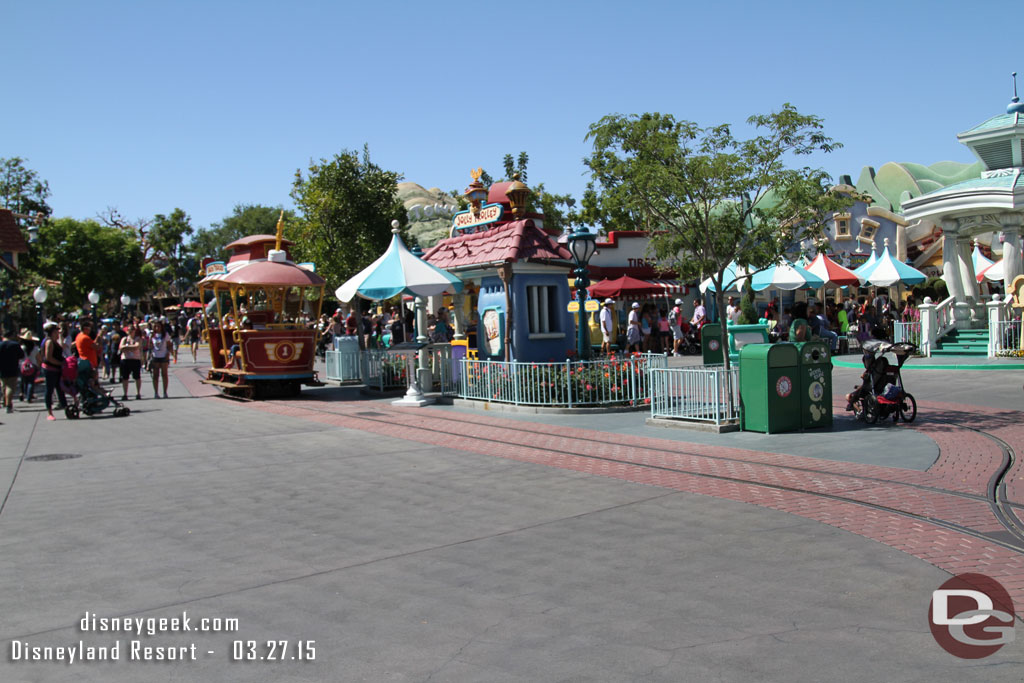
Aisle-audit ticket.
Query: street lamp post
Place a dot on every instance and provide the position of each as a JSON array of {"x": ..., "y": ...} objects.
[
  {"x": 40, "y": 298},
  {"x": 94, "y": 298},
  {"x": 582, "y": 244},
  {"x": 125, "y": 302}
]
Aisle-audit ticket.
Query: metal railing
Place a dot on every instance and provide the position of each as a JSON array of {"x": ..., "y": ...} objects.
[
  {"x": 907, "y": 332},
  {"x": 385, "y": 370},
  {"x": 703, "y": 394},
  {"x": 616, "y": 381},
  {"x": 1005, "y": 338},
  {"x": 344, "y": 366}
]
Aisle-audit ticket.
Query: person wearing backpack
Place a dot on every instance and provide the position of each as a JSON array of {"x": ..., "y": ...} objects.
[{"x": 10, "y": 367}]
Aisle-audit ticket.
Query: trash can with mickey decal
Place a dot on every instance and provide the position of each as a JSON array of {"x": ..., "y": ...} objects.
[
  {"x": 769, "y": 388},
  {"x": 815, "y": 384}
]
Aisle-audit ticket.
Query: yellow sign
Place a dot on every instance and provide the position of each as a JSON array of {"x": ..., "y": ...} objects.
[
  {"x": 592, "y": 305},
  {"x": 573, "y": 307}
]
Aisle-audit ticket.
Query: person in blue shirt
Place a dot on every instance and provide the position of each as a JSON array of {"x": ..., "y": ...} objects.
[{"x": 819, "y": 327}]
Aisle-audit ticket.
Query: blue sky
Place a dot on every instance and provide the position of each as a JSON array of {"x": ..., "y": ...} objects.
[{"x": 150, "y": 106}]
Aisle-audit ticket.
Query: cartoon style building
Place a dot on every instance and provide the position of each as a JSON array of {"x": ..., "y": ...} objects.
[{"x": 518, "y": 273}]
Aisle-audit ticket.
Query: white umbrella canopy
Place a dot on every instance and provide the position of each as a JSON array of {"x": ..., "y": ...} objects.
[
  {"x": 734, "y": 274},
  {"x": 785, "y": 276},
  {"x": 993, "y": 272},
  {"x": 398, "y": 271},
  {"x": 887, "y": 271},
  {"x": 980, "y": 261}
]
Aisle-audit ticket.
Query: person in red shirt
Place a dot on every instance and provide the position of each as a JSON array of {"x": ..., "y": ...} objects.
[{"x": 87, "y": 346}]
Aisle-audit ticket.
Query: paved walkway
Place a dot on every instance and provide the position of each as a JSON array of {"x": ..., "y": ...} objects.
[{"x": 439, "y": 544}]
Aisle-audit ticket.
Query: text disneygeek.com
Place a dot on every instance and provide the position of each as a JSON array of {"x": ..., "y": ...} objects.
[{"x": 141, "y": 643}]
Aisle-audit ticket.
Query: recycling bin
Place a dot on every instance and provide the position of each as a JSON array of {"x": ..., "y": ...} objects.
[
  {"x": 711, "y": 344},
  {"x": 769, "y": 388},
  {"x": 815, "y": 384}
]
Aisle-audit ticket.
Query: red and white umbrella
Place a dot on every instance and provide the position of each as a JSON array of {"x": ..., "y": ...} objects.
[
  {"x": 994, "y": 272},
  {"x": 832, "y": 273}
]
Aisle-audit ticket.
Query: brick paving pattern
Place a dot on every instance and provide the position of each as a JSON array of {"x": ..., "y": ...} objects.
[{"x": 966, "y": 465}]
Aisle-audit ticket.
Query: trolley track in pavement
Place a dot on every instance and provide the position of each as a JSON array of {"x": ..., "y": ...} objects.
[{"x": 1011, "y": 537}]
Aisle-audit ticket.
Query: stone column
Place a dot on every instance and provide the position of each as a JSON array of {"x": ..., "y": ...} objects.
[
  {"x": 459, "y": 323},
  {"x": 995, "y": 316},
  {"x": 928, "y": 325},
  {"x": 967, "y": 275},
  {"x": 1012, "y": 266},
  {"x": 950, "y": 260}
]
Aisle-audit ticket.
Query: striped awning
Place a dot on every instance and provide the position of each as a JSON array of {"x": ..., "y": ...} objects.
[{"x": 671, "y": 287}]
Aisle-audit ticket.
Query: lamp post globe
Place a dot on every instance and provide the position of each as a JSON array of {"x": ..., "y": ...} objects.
[
  {"x": 582, "y": 244},
  {"x": 39, "y": 295},
  {"x": 125, "y": 303},
  {"x": 94, "y": 298}
]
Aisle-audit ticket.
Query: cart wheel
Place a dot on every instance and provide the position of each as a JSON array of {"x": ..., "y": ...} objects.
[
  {"x": 908, "y": 408},
  {"x": 858, "y": 409},
  {"x": 71, "y": 412},
  {"x": 870, "y": 413}
]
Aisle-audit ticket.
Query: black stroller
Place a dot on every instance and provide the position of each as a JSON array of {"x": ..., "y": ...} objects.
[
  {"x": 83, "y": 395},
  {"x": 881, "y": 393}
]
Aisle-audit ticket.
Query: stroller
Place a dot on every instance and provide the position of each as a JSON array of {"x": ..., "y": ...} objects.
[
  {"x": 84, "y": 397},
  {"x": 881, "y": 392}
]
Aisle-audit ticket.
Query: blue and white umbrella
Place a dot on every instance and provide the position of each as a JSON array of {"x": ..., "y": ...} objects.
[
  {"x": 866, "y": 266},
  {"x": 734, "y": 274},
  {"x": 785, "y": 276},
  {"x": 887, "y": 271},
  {"x": 398, "y": 271}
]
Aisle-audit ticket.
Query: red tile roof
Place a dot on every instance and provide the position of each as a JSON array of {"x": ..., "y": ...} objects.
[
  {"x": 515, "y": 241},
  {"x": 11, "y": 239}
]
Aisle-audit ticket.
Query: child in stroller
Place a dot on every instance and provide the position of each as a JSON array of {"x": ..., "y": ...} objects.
[
  {"x": 880, "y": 393},
  {"x": 78, "y": 380}
]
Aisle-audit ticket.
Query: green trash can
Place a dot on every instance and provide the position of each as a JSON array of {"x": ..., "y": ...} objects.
[
  {"x": 815, "y": 384},
  {"x": 769, "y": 388},
  {"x": 711, "y": 344}
]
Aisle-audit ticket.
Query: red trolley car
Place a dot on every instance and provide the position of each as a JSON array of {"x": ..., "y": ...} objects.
[{"x": 255, "y": 319}]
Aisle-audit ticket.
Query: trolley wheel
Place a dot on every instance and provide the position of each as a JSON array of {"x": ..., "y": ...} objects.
[
  {"x": 907, "y": 408},
  {"x": 870, "y": 413},
  {"x": 71, "y": 412}
]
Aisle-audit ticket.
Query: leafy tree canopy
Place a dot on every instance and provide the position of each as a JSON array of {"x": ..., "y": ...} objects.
[
  {"x": 84, "y": 255},
  {"x": 21, "y": 189},
  {"x": 245, "y": 220},
  {"x": 346, "y": 206},
  {"x": 710, "y": 197}
]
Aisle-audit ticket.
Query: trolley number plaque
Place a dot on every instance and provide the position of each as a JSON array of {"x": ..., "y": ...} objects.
[{"x": 273, "y": 651}]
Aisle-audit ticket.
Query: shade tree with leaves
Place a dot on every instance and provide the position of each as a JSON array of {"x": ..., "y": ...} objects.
[{"x": 709, "y": 198}]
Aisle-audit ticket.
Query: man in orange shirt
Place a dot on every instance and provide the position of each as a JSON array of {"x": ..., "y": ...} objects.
[{"x": 86, "y": 346}]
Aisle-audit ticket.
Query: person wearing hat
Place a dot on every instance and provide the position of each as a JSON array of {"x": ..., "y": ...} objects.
[
  {"x": 675, "y": 323},
  {"x": 10, "y": 361},
  {"x": 606, "y": 326},
  {"x": 633, "y": 328},
  {"x": 29, "y": 368}
]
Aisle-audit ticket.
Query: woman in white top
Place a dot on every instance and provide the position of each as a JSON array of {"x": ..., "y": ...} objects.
[{"x": 159, "y": 346}]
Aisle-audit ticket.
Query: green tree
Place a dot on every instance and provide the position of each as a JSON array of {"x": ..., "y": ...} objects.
[
  {"x": 346, "y": 206},
  {"x": 21, "y": 189},
  {"x": 711, "y": 198},
  {"x": 167, "y": 238},
  {"x": 84, "y": 255},
  {"x": 245, "y": 220}
]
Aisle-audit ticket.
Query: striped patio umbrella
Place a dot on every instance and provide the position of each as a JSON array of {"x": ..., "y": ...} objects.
[
  {"x": 980, "y": 261},
  {"x": 867, "y": 265},
  {"x": 785, "y": 276},
  {"x": 887, "y": 271},
  {"x": 398, "y": 271},
  {"x": 993, "y": 271},
  {"x": 832, "y": 273},
  {"x": 734, "y": 273}
]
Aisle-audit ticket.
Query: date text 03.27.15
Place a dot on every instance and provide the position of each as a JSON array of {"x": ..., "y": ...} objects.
[{"x": 273, "y": 650}]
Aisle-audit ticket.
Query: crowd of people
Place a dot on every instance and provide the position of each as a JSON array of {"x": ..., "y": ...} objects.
[
  {"x": 118, "y": 351},
  {"x": 393, "y": 325}
]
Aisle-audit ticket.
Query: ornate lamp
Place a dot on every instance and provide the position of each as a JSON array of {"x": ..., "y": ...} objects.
[
  {"x": 518, "y": 193},
  {"x": 476, "y": 193},
  {"x": 94, "y": 298},
  {"x": 39, "y": 295},
  {"x": 582, "y": 244}
]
